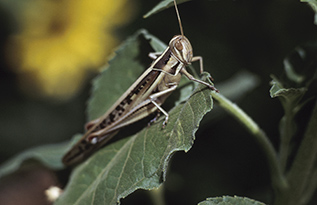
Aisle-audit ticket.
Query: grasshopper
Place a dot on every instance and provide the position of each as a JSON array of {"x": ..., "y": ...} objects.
[{"x": 145, "y": 96}]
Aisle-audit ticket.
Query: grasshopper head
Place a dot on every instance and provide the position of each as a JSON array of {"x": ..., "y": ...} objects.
[{"x": 181, "y": 49}]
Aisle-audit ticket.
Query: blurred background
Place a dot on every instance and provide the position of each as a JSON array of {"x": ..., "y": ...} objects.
[{"x": 50, "y": 51}]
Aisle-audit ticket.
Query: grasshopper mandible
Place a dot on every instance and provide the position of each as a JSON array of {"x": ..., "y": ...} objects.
[{"x": 145, "y": 96}]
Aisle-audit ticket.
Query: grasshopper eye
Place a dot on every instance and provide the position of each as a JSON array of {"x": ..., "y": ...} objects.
[
  {"x": 179, "y": 45},
  {"x": 181, "y": 49}
]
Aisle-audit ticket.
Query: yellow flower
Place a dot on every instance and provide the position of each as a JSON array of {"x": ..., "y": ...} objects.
[{"x": 61, "y": 40}]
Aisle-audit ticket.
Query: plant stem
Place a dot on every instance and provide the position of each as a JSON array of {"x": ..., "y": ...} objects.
[
  {"x": 278, "y": 180},
  {"x": 287, "y": 130},
  {"x": 302, "y": 169},
  {"x": 310, "y": 188}
]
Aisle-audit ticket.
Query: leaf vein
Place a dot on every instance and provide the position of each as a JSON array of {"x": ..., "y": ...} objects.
[{"x": 124, "y": 165}]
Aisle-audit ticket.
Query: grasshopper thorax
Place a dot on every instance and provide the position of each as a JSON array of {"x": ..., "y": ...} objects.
[{"x": 181, "y": 49}]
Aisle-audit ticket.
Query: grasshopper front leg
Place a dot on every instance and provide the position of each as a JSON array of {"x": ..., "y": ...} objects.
[
  {"x": 155, "y": 96},
  {"x": 190, "y": 77},
  {"x": 200, "y": 59}
]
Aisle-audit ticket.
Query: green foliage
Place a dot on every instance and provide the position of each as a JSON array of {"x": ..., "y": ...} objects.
[
  {"x": 313, "y": 4},
  {"x": 297, "y": 93},
  {"x": 49, "y": 155},
  {"x": 140, "y": 159},
  {"x": 163, "y": 5},
  {"x": 228, "y": 200}
]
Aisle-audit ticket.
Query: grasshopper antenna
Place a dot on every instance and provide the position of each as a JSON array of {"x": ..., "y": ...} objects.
[{"x": 179, "y": 18}]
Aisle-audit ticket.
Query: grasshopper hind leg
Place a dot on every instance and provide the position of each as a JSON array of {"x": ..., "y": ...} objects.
[
  {"x": 158, "y": 114},
  {"x": 85, "y": 148}
]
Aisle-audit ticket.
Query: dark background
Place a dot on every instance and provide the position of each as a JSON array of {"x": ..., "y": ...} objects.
[{"x": 231, "y": 36}]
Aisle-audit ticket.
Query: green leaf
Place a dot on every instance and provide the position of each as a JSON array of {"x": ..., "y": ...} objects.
[
  {"x": 313, "y": 4},
  {"x": 291, "y": 94},
  {"x": 138, "y": 161},
  {"x": 155, "y": 43},
  {"x": 49, "y": 155},
  {"x": 162, "y": 6},
  {"x": 300, "y": 66},
  {"x": 291, "y": 73},
  {"x": 289, "y": 97},
  {"x": 227, "y": 200}
]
